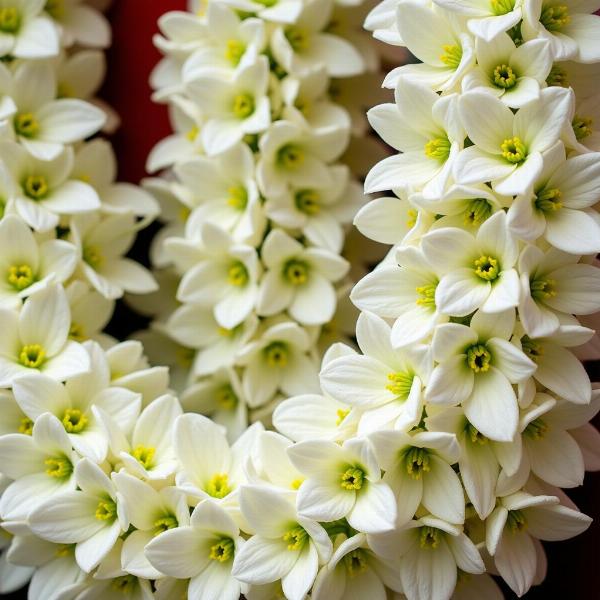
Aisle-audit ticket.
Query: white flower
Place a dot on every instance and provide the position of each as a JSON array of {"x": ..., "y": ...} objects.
[
  {"x": 430, "y": 552},
  {"x": 299, "y": 279},
  {"x": 343, "y": 481},
  {"x": 36, "y": 339},
  {"x": 151, "y": 512},
  {"x": 285, "y": 546},
  {"x": 514, "y": 527},
  {"x": 91, "y": 517},
  {"x": 508, "y": 147},
  {"x": 559, "y": 207},
  {"x": 233, "y": 108},
  {"x": 513, "y": 74},
  {"x": 477, "y": 366},
  {"x": 29, "y": 265},
  {"x": 79, "y": 23},
  {"x": 280, "y": 11},
  {"x": 26, "y": 32},
  {"x": 479, "y": 271},
  {"x": 72, "y": 404},
  {"x": 41, "y": 465}
]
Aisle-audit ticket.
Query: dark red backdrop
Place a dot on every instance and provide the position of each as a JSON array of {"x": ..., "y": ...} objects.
[{"x": 575, "y": 564}]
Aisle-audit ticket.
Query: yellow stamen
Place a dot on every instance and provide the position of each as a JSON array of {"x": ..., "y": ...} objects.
[
  {"x": 452, "y": 55},
  {"x": 549, "y": 200},
  {"x": 26, "y": 426},
  {"x": 10, "y": 20},
  {"x": 513, "y": 150},
  {"x": 276, "y": 354},
  {"x": 77, "y": 332},
  {"x": 20, "y": 276},
  {"x": 295, "y": 485},
  {"x": 557, "y": 77},
  {"x": 543, "y": 289},
  {"x": 477, "y": 212},
  {"x": 36, "y": 187},
  {"x": 341, "y": 413},
  {"x": 74, "y": 421},
  {"x": 475, "y": 436},
  {"x": 412, "y": 215},
  {"x": 487, "y": 268},
  {"x": 144, "y": 455},
  {"x": 243, "y": 106},
  {"x": 307, "y": 201},
  {"x": 296, "y": 538},
  {"x": 355, "y": 562},
  {"x": 352, "y": 478},
  {"x": 226, "y": 398},
  {"x": 400, "y": 384},
  {"x": 106, "y": 510},
  {"x": 504, "y": 77},
  {"x": 502, "y": 7},
  {"x": 58, "y": 467},
  {"x": 298, "y": 38},
  {"x": 533, "y": 349},
  {"x": 554, "y": 18},
  {"x": 536, "y": 430},
  {"x": 416, "y": 462},
  {"x": 238, "y": 197},
  {"x": 438, "y": 148},
  {"x": 164, "y": 524},
  {"x": 429, "y": 538},
  {"x": 478, "y": 358},
  {"x": 223, "y": 550},
  {"x": 426, "y": 294},
  {"x": 582, "y": 126},
  {"x": 218, "y": 486},
  {"x": 296, "y": 272},
  {"x": 92, "y": 255},
  {"x": 32, "y": 356},
  {"x": 124, "y": 584},
  {"x": 238, "y": 274},
  {"x": 516, "y": 521},
  {"x": 290, "y": 156},
  {"x": 234, "y": 50},
  {"x": 192, "y": 134}
]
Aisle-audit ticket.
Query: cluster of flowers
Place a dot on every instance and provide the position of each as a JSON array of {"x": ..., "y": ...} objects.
[
  {"x": 65, "y": 226},
  {"x": 265, "y": 98}
]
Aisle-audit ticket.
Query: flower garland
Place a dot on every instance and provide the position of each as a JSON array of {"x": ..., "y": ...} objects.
[{"x": 257, "y": 201}]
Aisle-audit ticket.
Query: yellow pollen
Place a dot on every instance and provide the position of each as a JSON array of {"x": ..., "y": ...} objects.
[
  {"x": 10, "y": 20},
  {"x": 513, "y": 150},
  {"x": 238, "y": 197},
  {"x": 487, "y": 268},
  {"x": 352, "y": 478},
  {"x": 290, "y": 156},
  {"x": 243, "y": 106},
  {"x": 531, "y": 348},
  {"x": 20, "y": 276},
  {"x": 307, "y": 202},
  {"x": 298, "y": 38},
  {"x": 58, "y": 467},
  {"x": 557, "y": 77},
  {"x": 504, "y": 77},
  {"x": 144, "y": 455},
  {"x": 234, "y": 50},
  {"x": 65, "y": 550},
  {"x": 582, "y": 126},
  {"x": 416, "y": 462},
  {"x": 536, "y": 430},
  {"x": 477, "y": 212},
  {"x": 226, "y": 398},
  {"x": 218, "y": 486},
  {"x": 36, "y": 187},
  {"x": 543, "y": 289},
  {"x": 74, "y": 421},
  {"x": 296, "y": 538},
  {"x": 224, "y": 332},
  {"x": 452, "y": 55},
  {"x": 502, "y": 7},
  {"x": 26, "y": 426},
  {"x": 516, "y": 521},
  {"x": 400, "y": 384},
  {"x": 341, "y": 413},
  {"x": 426, "y": 294},
  {"x": 355, "y": 562},
  {"x": 32, "y": 356},
  {"x": 276, "y": 354},
  {"x": 192, "y": 134},
  {"x": 438, "y": 148},
  {"x": 412, "y": 215},
  {"x": 295, "y": 272},
  {"x": 92, "y": 255},
  {"x": 478, "y": 358},
  {"x": 429, "y": 538},
  {"x": 237, "y": 274},
  {"x": 164, "y": 524},
  {"x": 295, "y": 485},
  {"x": 77, "y": 332},
  {"x": 475, "y": 436},
  {"x": 549, "y": 200},
  {"x": 106, "y": 510},
  {"x": 223, "y": 550},
  {"x": 554, "y": 18},
  {"x": 55, "y": 8}
]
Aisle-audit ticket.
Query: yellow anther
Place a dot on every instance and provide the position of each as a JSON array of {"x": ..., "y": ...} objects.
[
  {"x": 554, "y": 18},
  {"x": 20, "y": 276},
  {"x": 426, "y": 294},
  {"x": 238, "y": 197},
  {"x": 429, "y": 538},
  {"x": 516, "y": 521},
  {"x": 192, "y": 134},
  {"x": 487, "y": 268},
  {"x": 452, "y": 55},
  {"x": 352, "y": 478},
  {"x": 341, "y": 413},
  {"x": 356, "y": 562},
  {"x": 513, "y": 150},
  {"x": 243, "y": 106},
  {"x": 400, "y": 384},
  {"x": 543, "y": 289},
  {"x": 296, "y": 538},
  {"x": 93, "y": 256},
  {"x": 478, "y": 358},
  {"x": 549, "y": 200},
  {"x": 504, "y": 77},
  {"x": 295, "y": 485},
  {"x": 164, "y": 524},
  {"x": 144, "y": 455},
  {"x": 65, "y": 550},
  {"x": 32, "y": 356},
  {"x": 226, "y": 398},
  {"x": 412, "y": 215},
  {"x": 223, "y": 550},
  {"x": 557, "y": 77},
  {"x": 106, "y": 510},
  {"x": 10, "y": 20},
  {"x": 438, "y": 148},
  {"x": 296, "y": 272},
  {"x": 582, "y": 126},
  {"x": 26, "y": 426},
  {"x": 502, "y": 7},
  {"x": 237, "y": 274},
  {"x": 74, "y": 421},
  {"x": 36, "y": 187},
  {"x": 276, "y": 354},
  {"x": 234, "y": 50},
  {"x": 536, "y": 430},
  {"x": 58, "y": 467},
  {"x": 416, "y": 462},
  {"x": 475, "y": 435},
  {"x": 308, "y": 202},
  {"x": 218, "y": 486},
  {"x": 290, "y": 156},
  {"x": 77, "y": 332},
  {"x": 298, "y": 38},
  {"x": 533, "y": 349},
  {"x": 477, "y": 212}
]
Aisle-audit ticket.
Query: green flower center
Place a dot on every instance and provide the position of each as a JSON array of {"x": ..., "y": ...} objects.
[
  {"x": 298, "y": 38},
  {"x": 234, "y": 50},
  {"x": 502, "y": 7},
  {"x": 536, "y": 430},
  {"x": 58, "y": 467},
  {"x": 226, "y": 398},
  {"x": 504, "y": 77},
  {"x": 352, "y": 478},
  {"x": 582, "y": 126},
  {"x": 429, "y": 538},
  {"x": 478, "y": 358},
  {"x": 243, "y": 106},
  {"x": 513, "y": 150},
  {"x": 20, "y": 276},
  {"x": 416, "y": 462},
  {"x": 474, "y": 435},
  {"x": 106, "y": 510},
  {"x": 438, "y": 148},
  {"x": 32, "y": 356},
  {"x": 400, "y": 384},
  {"x": 218, "y": 486},
  {"x": 144, "y": 455},
  {"x": 452, "y": 55},
  {"x": 237, "y": 274},
  {"x": 548, "y": 200},
  {"x": 296, "y": 538},
  {"x": 77, "y": 332},
  {"x": 426, "y": 294},
  {"x": 355, "y": 562},
  {"x": 92, "y": 255},
  {"x": 276, "y": 354},
  {"x": 477, "y": 212},
  {"x": 487, "y": 267},
  {"x": 307, "y": 201},
  {"x": 223, "y": 550},
  {"x": 36, "y": 187},
  {"x": 164, "y": 524},
  {"x": 557, "y": 77},
  {"x": 290, "y": 156},
  {"x": 554, "y": 18},
  {"x": 238, "y": 197},
  {"x": 26, "y": 125},
  {"x": 10, "y": 20},
  {"x": 532, "y": 349},
  {"x": 296, "y": 272},
  {"x": 516, "y": 521},
  {"x": 26, "y": 426},
  {"x": 74, "y": 421},
  {"x": 543, "y": 289}
]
